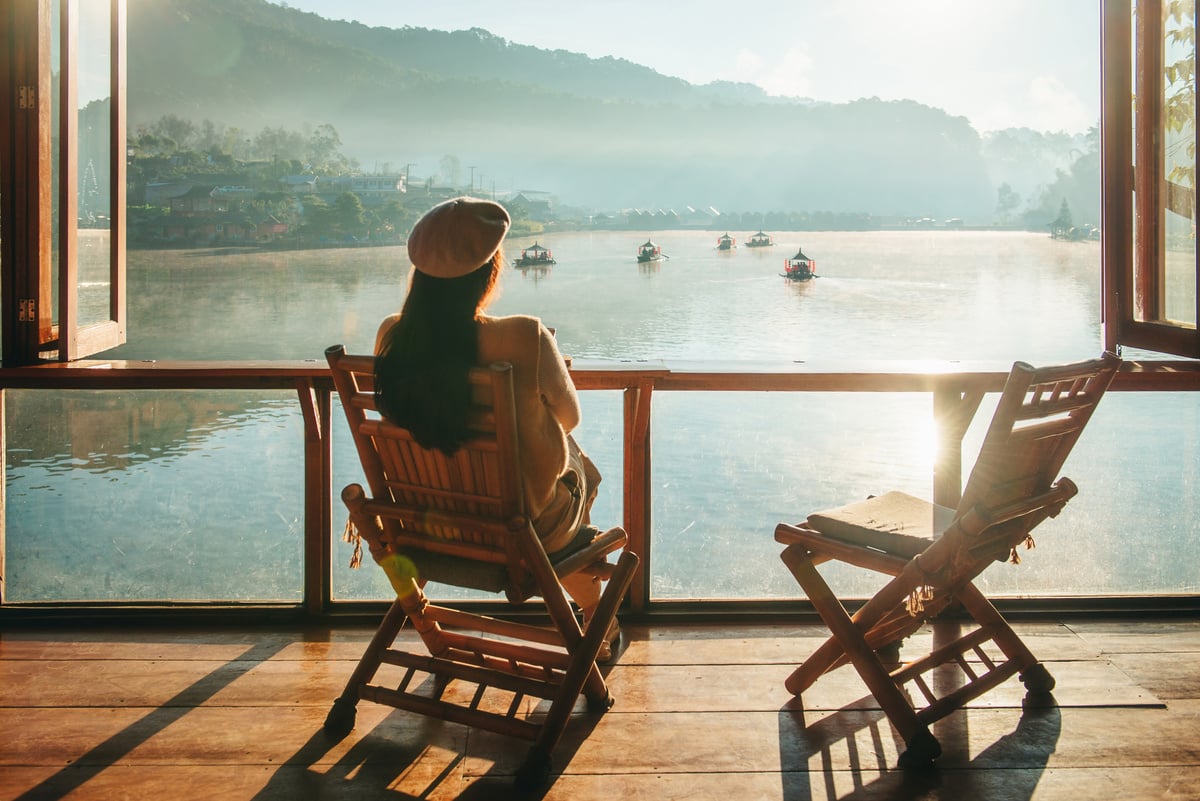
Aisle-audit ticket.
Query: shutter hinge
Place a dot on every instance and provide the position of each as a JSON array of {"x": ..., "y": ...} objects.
[
  {"x": 28, "y": 310},
  {"x": 26, "y": 98}
]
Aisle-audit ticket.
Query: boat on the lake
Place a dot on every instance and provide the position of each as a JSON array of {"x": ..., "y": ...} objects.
[
  {"x": 650, "y": 252},
  {"x": 759, "y": 240},
  {"x": 535, "y": 256},
  {"x": 726, "y": 242},
  {"x": 799, "y": 267}
]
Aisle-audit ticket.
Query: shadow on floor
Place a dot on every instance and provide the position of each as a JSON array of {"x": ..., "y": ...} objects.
[
  {"x": 110, "y": 752},
  {"x": 409, "y": 756},
  {"x": 847, "y": 750}
]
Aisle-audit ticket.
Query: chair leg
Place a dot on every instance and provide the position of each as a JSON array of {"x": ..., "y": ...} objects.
[
  {"x": 534, "y": 773},
  {"x": 1033, "y": 673},
  {"x": 578, "y": 677},
  {"x": 922, "y": 747},
  {"x": 830, "y": 652},
  {"x": 340, "y": 719}
]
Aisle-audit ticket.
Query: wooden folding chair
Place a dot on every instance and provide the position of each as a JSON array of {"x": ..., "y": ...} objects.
[
  {"x": 934, "y": 553},
  {"x": 461, "y": 520}
]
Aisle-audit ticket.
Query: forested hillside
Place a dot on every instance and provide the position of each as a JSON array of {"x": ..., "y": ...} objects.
[{"x": 603, "y": 133}]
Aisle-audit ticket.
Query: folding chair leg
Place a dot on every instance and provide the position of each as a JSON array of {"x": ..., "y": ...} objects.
[
  {"x": 583, "y": 666},
  {"x": 340, "y": 719},
  {"x": 1033, "y": 673},
  {"x": 921, "y": 746},
  {"x": 830, "y": 652},
  {"x": 581, "y": 676}
]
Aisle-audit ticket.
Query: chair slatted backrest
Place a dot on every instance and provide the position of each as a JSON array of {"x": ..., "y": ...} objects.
[
  {"x": 464, "y": 505},
  {"x": 1041, "y": 413}
]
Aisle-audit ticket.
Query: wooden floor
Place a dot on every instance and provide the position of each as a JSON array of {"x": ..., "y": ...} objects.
[{"x": 701, "y": 713}]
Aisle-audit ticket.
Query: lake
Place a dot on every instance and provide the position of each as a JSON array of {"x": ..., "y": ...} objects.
[
  {"x": 196, "y": 495},
  {"x": 881, "y": 295}
]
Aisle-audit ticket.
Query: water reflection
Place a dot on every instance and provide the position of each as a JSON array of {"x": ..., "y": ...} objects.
[
  {"x": 537, "y": 273},
  {"x": 106, "y": 431},
  {"x": 154, "y": 495}
]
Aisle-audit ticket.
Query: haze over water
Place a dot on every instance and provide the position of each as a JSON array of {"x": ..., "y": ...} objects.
[{"x": 880, "y": 295}]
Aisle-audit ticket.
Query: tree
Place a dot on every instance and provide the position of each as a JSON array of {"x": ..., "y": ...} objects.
[
  {"x": 1078, "y": 186},
  {"x": 1179, "y": 113},
  {"x": 1007, "y": 202},
  {"x": 280, "y": 144},
  {"x": 1062, "y": 225},
  {"x": 349, "y": 218},
  {"x": 318, "y": 218},
  {"x": 395, "y": 219},
  {"x": 324, "y": 151},
  {"x": 451, "y": 170},
  {"x": 182, "y": 131}
]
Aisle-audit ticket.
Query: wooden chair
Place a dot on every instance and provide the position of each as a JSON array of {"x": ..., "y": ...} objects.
[
  {"x": 934, "y": 553},
  {"x": 461, "y": 520}
]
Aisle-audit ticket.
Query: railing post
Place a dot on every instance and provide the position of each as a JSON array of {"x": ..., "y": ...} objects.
[
  {"x": 318, "y": 492},
  {"x": 953, "y": 411},
  {"x": 637, "y": 487}
]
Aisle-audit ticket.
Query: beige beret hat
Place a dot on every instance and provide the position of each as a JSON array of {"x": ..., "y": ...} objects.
[{"x": 457, "y": 236}]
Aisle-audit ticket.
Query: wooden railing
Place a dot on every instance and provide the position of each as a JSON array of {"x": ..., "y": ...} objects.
[{"x": 956, "y": 390}]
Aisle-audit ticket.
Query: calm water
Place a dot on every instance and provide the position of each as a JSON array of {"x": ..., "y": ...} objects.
[
  {"x": 881, "y": 295},
  {"x": 194, "y": 495}
]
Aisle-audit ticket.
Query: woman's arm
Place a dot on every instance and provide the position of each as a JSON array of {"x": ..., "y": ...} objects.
[{"x": 554, "y": 382}]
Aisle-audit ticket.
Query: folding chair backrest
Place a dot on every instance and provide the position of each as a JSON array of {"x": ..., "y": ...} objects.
[
  {"x": 447, "y": 510},
  {"x": 1041, "y": 413}
]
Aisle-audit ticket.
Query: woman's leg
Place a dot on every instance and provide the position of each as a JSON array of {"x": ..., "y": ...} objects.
[{"x": 584, "y": 590}]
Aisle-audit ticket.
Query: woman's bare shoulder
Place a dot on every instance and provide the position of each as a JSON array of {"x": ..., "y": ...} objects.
[
  {"x": 384, "y": 327},
  {"x": 514, "y": 338},
  {"x": 512, "y": 325},
  {"x": 512, "y": 321}
]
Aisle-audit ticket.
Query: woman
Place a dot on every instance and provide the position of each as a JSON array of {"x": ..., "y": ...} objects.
[{"x": 423, "y": 355}]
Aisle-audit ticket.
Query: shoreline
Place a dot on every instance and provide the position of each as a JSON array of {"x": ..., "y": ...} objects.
[{"x": 270, "y": 247}]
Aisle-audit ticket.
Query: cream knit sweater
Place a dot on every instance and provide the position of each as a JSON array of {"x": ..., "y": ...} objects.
[{"x": 547, "y": 410}]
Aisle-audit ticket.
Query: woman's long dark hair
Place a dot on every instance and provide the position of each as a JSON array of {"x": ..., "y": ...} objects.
[{"x": 421, "y": 369}]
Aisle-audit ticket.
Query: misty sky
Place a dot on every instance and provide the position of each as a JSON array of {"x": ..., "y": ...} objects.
[{"x": 1000, "y": 63}]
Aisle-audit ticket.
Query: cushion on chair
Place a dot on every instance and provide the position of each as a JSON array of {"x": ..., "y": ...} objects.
[{"x": 895, "y": 523}]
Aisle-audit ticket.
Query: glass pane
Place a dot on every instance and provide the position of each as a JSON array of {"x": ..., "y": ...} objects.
[
  {"x": 729, "y": 467},
  {"x": 1179, "y": 162},
  {"x": 94, "y": 75},
  {"x": 1133, "y": 528},
  {"x": 230, "y": 178},
  {"x": 182, "y": 496}
]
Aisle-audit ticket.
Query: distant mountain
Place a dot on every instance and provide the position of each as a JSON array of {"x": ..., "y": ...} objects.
[
  {"x": 604, "y": 133},
  {"x": 1028, "y": 160}
]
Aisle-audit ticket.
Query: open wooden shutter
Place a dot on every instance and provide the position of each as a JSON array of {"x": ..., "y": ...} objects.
[{"x": 62, "y": 168}]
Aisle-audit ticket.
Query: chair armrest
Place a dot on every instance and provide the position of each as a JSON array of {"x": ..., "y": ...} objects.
[
  {"x": 1053, "y": 499},
  {"x": 611, "y": 540}
]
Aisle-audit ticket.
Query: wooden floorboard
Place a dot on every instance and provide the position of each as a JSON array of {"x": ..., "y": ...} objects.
[{"x": 701, "y": 713}]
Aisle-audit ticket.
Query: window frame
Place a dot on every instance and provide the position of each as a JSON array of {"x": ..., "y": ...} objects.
[
  {"x": 1132, "y": 145},
  {"x": 1132, "y": 222},
  {"x": 30, "y": 333}
]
